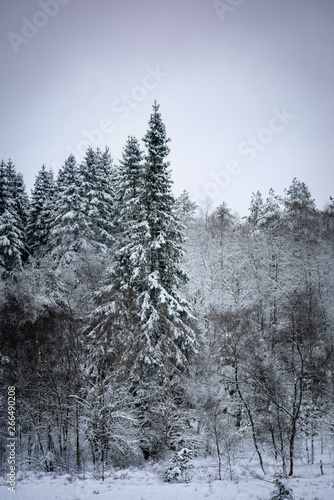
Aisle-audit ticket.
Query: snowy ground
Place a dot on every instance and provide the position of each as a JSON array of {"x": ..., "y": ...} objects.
[{"x": 147, "y": 483}]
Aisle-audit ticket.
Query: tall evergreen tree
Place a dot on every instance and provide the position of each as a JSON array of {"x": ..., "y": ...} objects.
[
  {"x": 96, "y": 192},
  {"x": 38, "y": 226},
  {"x": 106, "y": 186},
  {"x": 272, "y": 212},
  {"x": 3, "y": 187},
  {"x": 140, "y": 309},
  {"x": 21, "y": 198},
  {"x": 168, "y": 340},
  {"x": 115, "y": 323},
  {"x": 149, "y": 255},
  {"x": 14, "y": 207},
  {"x": 300, "y": 209},
  {"x": 69, "y": 230},
  {"x": 22, "y": 206},
  {"x": 298, "y": 198},
  {"x": 256, "y": 209},
  {"x": 131, "y": 217},
  {"x": 117, "y": 317}
]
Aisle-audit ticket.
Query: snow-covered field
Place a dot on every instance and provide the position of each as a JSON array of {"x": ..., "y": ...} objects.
[{"x": 147, "y": 483}]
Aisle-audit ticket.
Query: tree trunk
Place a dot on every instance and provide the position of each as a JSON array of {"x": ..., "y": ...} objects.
[
  {"x": 273, "y": 440},
  {"x": 218, "y": 452},
  {"x": 77, "y": 435},
  {"x": 312, "y": 427},
  {"x": 295, "y": 415},
  {"x": 250, "y": 417},
  {"x": 281, "y": 443}
]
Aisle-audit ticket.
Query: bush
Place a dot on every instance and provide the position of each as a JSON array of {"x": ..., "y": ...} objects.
[
  {"x": 281, "y": 492},
  {"x": 179, "y": 466}
]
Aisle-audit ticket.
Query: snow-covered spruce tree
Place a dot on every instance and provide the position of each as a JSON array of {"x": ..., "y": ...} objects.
[
  {"x": 21, "y": 198},
  {"x": 3, "y": 187},
  {"x": 69, "y": 230},
  {"x": 114, "y": 324},
  {"x": 13, "y": 214},
  {"x": 179, "y": 466},
  {"x": 141, "y": 316},
  {"x": 165, "y": 341},
  {"x": 96, "y": 191},
  {"x": 38, "y": 225},
  {"x": 125, "y": 279},
  {"x": 107, "y": 174},
  {"x": 22, "y": 205}
]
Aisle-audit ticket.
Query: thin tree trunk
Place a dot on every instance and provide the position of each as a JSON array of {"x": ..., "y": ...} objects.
[
  {"x": 281, "y": 443},
  {"x": 312, "y": 428},
  {"x": 295, "y": 414},
  {"x": 77, "y": 435},
  {"x": 307, "y": 450},
  {"x": 102, "y": 457},
  {"x": 250, "y": 417},
  {"x": 29, "y": 444},
  {"x": 218, "y": 452},
  {"x": 273, "y": 440}
]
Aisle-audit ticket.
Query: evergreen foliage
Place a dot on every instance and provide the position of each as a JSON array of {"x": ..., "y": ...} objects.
[
  {"x": 281, "y": 492},
  {"x": 96, "y": 194},
  {"x": 163, "y": 311},
  {"x": 69, "y": 230},
  {"x": 179, "y": 466},
  {"x": 13, "y": 217},
  {"x": 38, "y": 224}
]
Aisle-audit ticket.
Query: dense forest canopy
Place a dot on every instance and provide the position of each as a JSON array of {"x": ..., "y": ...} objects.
[{"x": 133, "y": 323}]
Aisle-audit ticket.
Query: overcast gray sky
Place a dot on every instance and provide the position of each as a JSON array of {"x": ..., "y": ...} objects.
[{"x": 245, "y": 88}]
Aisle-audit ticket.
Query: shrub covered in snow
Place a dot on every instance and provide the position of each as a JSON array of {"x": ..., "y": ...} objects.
[
  {"x": 281, "y": 491},
  {"x": 179, "y": 466}
]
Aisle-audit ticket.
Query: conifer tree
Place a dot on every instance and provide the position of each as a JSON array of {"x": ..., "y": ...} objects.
[
  {"x": 110, "y": 342},
  {"x": 116, "y": 320},
  {"x": 69, "y": 230},
  {"x": 168, "y": 340},
  {"x": 256, "y": 209},
  {"x": 3, "y": 187},
  {"x": 38, "y": 226},
  {"x": 96, "y": 192},
  {"x": 106, "y": 190},
  {"x": 148, "y": 256},
  {"x": 131, "y": 216},
  {"x": 14, "y": 207},
  {"x": 141, "y": 319},
  {"x": 21, "y": 198},
  {"x": 272, "y": 213},
  {"x": 17, "y": 192},
  {"x": 300, "y": 209},
  {"x": 22, "y": 206},
  {"x": 298, "y": 198}
]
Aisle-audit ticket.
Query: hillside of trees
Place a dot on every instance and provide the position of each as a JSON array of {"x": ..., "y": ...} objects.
[{"x": 134, "y": 324}]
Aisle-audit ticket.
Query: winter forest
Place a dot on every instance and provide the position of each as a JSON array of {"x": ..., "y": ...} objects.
[{"x": 137, "y": 326}]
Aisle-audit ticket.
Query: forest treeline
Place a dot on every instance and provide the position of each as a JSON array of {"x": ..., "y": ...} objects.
[{"x": 134, "y": 324}]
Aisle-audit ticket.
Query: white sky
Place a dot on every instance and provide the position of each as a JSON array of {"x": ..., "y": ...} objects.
[{"x": 223, "y": 79}]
